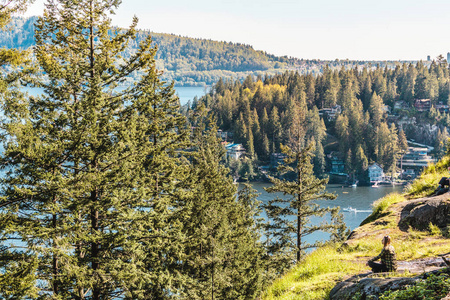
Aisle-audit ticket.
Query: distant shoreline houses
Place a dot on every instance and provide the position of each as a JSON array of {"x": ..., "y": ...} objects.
[
  {"x": 411, "y": 163},
  {"x": 422, "y": 105}
]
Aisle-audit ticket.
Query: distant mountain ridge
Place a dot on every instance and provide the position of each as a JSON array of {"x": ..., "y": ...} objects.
[{"x": 193, "y": 61}]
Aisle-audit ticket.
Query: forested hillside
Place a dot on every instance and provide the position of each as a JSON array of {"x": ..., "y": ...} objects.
[
  {"x": 363, "y": 126},
  {"x": 191, "y": 62}
]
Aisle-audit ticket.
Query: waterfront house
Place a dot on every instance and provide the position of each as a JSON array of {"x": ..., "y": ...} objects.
[
  {"x": 416, "y": 158},
  {"x": 376, "y": 173},
  {"x": 336, "y": 163}
]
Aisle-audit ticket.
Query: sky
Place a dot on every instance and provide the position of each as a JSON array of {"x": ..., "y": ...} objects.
[{"x": 313, "y": 29}]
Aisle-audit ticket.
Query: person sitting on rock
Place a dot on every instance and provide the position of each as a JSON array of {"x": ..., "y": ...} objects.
[{"x": 387, "y": 256}]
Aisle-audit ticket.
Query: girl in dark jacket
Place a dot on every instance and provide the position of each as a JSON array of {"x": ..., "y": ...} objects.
[{"x": 387, "y": 256}]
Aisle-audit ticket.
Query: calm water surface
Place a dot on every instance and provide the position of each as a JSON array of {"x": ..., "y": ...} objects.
[
  {"x": 185, "y": 93},
  {"x": 360, "y": 198}
]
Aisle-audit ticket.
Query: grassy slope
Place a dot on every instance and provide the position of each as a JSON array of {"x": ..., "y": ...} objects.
[{"x": 321, "y": 270}]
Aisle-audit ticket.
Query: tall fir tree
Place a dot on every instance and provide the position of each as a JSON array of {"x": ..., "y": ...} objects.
[
  {"x": 289, "y": 217},
  {"x": 222, "y": 256},
  {"x": 91, "y": 165}
]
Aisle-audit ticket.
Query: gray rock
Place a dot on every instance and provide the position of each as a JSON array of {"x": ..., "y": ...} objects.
[
  {"x": 419, "y": 214},
  {"x": 369, "y": 287}
]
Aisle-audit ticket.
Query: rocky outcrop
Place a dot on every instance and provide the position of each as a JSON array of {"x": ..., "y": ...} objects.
[
  {"x": 366, "y": 286},
  {"x": 416, "y": 214},
  {"x": 421, "y": 212}
]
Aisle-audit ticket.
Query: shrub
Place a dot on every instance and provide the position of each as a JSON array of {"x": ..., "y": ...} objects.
[
  {"x": 432, "y": 288},
  {"x": 434, "y": 230},
  {"x": 380, "y": 206}
]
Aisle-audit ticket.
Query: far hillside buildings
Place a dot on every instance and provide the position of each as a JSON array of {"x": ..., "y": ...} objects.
[
  {"x": 414, "y": 161},
  {"x": 330, "y": 113},
  {"x": 422, "y": 104},
  {"x": 235, "y": 151}
]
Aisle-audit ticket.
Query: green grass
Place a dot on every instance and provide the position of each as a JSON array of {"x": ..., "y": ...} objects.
[
  {"x": 315, "y": 276},
  {"x": 425, "y": 185}
]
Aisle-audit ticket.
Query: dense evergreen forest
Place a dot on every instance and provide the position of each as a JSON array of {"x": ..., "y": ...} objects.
[
  {"x": 365, "y": 126},
  {"x": 111, "y": 193},
  {"x": 195, "y": 62}
]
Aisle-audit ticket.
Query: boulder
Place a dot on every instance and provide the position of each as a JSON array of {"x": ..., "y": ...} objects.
[
  {"x": 366, "y": 286},
  {"x": 419, "y": 214}
]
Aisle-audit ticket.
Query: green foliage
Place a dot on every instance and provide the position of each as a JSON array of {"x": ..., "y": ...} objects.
[
  {"x": 288, "y": 222},
  {"x": 223, "y": 254},
  {"x": 107, "y": 193},
  {"x": 10, "y": 8},
  {"x": 432, "y": 288},
  {"x": 314, "y": 277}
]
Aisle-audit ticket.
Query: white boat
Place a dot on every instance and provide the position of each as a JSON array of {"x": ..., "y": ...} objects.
[
  {"x": 354, "y": 210},
  {"x": 349, "y": 209}
]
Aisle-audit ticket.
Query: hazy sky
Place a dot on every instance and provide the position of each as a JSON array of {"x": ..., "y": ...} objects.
[{"x": 313, "y": 29}]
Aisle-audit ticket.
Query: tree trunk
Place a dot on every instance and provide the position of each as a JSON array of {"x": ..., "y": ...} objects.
[
  {"x": 299, "y": 219},
  {"x": 95, "y": 246},
  {"x": 55, "y": 256}
]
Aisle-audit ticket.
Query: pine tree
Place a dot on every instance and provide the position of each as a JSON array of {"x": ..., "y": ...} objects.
[
  {"x": 343, "y": 132},
  {"x": 91, "y": 167},
  {"x": 289, "y": 218},
  {"x": 376, "y": 110},
  {"x": 249, "y": 143},
  {"x": 265, "y": 147},
  {"x": 275, "y": 129},
  {"x": 402, "y": 142},
  {"x": 265, "y": 122},
  {"x": 349, "y": 166},
  {"x": 361, "y": 162},
  {"x": 392, "y": 151},
  {"x": 222, "y": 254}
]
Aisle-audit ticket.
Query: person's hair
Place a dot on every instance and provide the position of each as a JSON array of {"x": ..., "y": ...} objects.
[{"x": 386, "y": 241}]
